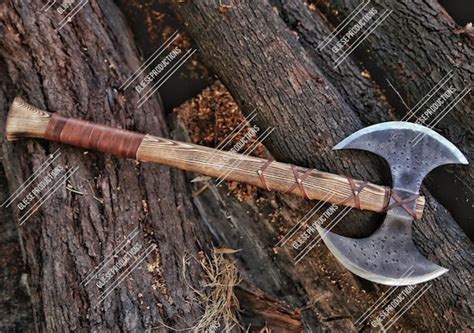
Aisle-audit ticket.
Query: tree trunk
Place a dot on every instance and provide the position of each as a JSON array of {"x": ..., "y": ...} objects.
[
  {"x": 108, "y": 197},
  {"x": 414, "y": 49},
  {"x": 15, "y": 310},
  {"x": 77, "y": 71},
  {"x": 265, "y": 68}
]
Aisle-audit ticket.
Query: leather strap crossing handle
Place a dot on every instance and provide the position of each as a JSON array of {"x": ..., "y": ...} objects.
[
  {"x": 24, "y": 120},
  {"x": 93, "y": 136}
]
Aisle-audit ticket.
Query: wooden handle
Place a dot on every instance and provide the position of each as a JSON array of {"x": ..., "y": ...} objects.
[{"x": 25, "y": 120}]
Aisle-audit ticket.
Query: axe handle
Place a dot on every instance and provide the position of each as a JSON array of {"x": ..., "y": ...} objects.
[{"x": 25, "y": 121}]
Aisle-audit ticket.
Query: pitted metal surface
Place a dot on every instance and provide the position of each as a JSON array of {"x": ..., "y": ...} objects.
[{"x": 389, "y": 256}]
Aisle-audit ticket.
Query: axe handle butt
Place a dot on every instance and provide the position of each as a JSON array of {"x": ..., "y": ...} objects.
[{"x": 26, "y": 121}]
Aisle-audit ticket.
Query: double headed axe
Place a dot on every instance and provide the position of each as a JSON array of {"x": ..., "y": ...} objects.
[{"x": 389, "y": 256}]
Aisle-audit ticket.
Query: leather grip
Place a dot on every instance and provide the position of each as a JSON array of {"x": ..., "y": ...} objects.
[{"x": 93, "y": 136}]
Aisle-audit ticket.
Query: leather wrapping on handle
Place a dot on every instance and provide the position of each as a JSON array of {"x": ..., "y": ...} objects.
[{"x": 88, "y": 135}]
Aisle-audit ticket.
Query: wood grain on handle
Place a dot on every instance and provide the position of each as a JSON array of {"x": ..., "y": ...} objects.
[{"x": 25, "y": 120}]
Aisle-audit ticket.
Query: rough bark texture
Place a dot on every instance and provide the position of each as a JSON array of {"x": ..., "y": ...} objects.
[
  {"x": 76, "y": 72},
  {"x": 366, "y": 89},
  {"x": 15, "y": 309},
  {"x": 355, "y": 84},
  {"x": 264, "y": 66},
  {"x": 414, "y": 49}
]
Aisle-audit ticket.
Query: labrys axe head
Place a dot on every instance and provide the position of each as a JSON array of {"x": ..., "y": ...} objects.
[{"x": 389, "y": 256}]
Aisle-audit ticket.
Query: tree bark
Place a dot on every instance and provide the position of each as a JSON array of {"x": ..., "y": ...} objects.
[
  {"x": 71, "y": 234},
  {"x": 15, "y": 310},
  {"x": 414, "y": 49},
  {"x": 77, "y": 71},
  {"x": 265, "y": 68},
  {"x": 355, "y": 83}
]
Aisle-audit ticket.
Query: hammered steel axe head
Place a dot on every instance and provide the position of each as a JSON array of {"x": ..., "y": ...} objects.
[{"x": 389, "y": 256}]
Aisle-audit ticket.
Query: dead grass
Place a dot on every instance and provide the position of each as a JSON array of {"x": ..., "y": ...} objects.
[{"x": 218, "y": 299}]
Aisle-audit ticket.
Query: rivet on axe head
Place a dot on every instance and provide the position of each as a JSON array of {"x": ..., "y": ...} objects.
[{"x": 389, "y": 256}]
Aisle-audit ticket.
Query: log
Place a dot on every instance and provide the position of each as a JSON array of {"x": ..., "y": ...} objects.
[
  {"x": 415, "y": 49},
  {"x": 369, "y": 90},
  {"x": 15, "y": 310},
  {"x": 278, "y": 317},
  {"x": 271, "y": 72},
  {"x": 354, "y": 82},
  {"x": 296, "y": 284},
  {"x": 77, "y": 70},
  {"x": 81, "y": 225}
]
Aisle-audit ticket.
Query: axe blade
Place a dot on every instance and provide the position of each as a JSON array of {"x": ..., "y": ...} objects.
[
  {"x": 389, "y": 256},
  {"x": 411, "y": 150}
]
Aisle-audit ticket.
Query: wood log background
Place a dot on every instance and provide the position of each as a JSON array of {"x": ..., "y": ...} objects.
[
  {"x": 77, "y": 71},
  {"x": 288, "y": 82},
  {"x": 414, "y": 54},
  {"x": 276, "y": 71}
]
